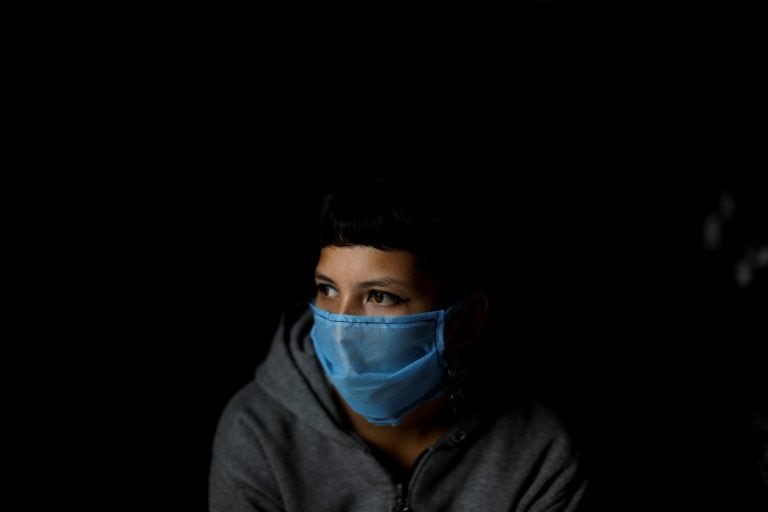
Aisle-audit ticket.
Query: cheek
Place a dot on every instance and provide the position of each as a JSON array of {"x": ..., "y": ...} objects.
[
  {"x": 425, "y": 302},
  {"x": 321, "y": 298}
]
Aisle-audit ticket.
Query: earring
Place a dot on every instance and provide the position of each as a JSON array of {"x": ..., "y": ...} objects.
[{"x": 457, "y": 387}]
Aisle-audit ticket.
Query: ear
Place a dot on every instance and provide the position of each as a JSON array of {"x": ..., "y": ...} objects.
[{"x": 464, "y": 327}]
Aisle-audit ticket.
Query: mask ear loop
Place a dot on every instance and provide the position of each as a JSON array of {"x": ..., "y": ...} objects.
[{"x": 446, "y": 316}]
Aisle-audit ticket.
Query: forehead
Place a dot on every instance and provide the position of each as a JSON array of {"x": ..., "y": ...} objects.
[{"x": 361, "y": 263}]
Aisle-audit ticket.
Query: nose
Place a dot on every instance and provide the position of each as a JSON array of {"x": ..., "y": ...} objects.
[{"x": 349, "y": 306}]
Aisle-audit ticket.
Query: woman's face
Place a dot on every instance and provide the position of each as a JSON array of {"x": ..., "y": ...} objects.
[{"x": 362, "y": 280}]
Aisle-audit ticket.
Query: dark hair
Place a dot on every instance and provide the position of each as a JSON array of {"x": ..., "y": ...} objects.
[{"x": 397, "y": 215}]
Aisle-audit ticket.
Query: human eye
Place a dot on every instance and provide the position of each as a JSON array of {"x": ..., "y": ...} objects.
[
  {"x": 384, "y": 298},
  {"x": 326, "y": 290}
]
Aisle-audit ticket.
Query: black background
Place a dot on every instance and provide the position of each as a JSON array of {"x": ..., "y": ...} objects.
[{"x": 595, "y": 154}]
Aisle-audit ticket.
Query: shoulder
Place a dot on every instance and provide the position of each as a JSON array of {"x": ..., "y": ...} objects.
[
  {"x": 543, "y": 448},
  {"x": 243, "y": 436},
  {"x": 530, "y": 419},
  {"x": 536, "y": 428},
  {"x": 254, "y": 428},
  {"x": 542, "y": 421},
  {"x": 240, "y": 473},
  {"x": 241, "y": 422},
  {"x": 533, "y": 436}
]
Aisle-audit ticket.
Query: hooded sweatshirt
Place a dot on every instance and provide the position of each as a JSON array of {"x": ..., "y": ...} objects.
[{"x": 283, "y": 444}]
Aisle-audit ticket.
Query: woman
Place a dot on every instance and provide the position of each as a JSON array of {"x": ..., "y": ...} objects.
[{"x": 364, "y": 402}]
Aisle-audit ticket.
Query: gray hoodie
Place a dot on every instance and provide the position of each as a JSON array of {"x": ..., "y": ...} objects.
[{"x": 282, "y": 445}]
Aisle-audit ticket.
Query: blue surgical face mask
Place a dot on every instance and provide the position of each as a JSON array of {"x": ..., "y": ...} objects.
[{"x": 383, "y": 366}]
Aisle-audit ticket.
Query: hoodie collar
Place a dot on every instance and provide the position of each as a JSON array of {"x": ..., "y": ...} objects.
[{"x": 292, "y": 375}]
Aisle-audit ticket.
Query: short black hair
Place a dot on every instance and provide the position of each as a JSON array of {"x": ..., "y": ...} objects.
[{"x": 391, "y": 214}]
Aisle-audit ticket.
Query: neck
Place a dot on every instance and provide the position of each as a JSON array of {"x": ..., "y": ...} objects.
[{"x": 403, "y": 443}]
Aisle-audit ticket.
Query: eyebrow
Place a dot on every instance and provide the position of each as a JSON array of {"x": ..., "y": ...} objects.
[
  {"x": 322, "y": 277},
  {"x": 383, "y": 281}
]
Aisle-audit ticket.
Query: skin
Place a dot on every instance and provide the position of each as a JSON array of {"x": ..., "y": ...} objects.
[{"x": 362, "y": 280}]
